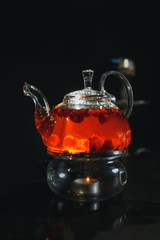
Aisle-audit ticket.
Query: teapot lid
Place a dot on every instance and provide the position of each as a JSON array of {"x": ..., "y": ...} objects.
[{"x": 88, "y": 97}]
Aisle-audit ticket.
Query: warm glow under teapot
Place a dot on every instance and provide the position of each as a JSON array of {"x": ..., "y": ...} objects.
[{"x": 86, "y": 121}]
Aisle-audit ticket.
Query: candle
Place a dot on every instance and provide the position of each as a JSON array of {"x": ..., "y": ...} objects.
[{"x": 86, "y": 186}]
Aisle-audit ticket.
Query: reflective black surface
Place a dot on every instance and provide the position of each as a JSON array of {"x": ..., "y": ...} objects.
[{"x": 32, "y": 211}]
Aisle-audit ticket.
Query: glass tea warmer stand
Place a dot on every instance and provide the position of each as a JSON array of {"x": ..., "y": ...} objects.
[{"x": 87, "y": 136}]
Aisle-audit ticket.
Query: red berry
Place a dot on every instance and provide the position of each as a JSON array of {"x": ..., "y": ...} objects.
[
  {"x": 63, "y": 113},
  {"x": 103, "y": 118},
  {"x": 69, "y": 142},
  {"x": 95, "y": 143},
  {"x": 107, "y": 145},
  {"x": 96, "y": 112},
  {"x": 90, "y": 112},
  {"x": 77, "y": 116}
]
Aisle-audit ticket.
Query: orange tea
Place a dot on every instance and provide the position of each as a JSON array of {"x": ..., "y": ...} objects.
[{"x": 96, "y": 130}]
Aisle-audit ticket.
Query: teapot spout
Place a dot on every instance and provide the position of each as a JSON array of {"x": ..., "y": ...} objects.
[
  {"x": 37, "y": 96},
  {"x": 43, "y": 120}
]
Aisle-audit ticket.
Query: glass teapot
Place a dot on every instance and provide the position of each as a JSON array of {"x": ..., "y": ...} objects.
[{"x": 86, "y": 121}]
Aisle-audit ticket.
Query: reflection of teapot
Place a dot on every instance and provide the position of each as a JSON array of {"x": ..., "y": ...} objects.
[{"x": 86, "y": 121}]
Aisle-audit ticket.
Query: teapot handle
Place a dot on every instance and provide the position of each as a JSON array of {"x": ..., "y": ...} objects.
[{"x": 127, "y": 86}]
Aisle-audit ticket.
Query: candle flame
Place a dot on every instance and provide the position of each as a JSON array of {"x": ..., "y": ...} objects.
[{"x": 88, "y": 180}]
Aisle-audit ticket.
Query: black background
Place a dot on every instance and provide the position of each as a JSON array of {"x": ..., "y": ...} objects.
[{"x": 49, "y": 46}]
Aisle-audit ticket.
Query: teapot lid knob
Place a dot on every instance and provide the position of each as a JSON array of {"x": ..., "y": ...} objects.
[{"x": 87, "y": 77}]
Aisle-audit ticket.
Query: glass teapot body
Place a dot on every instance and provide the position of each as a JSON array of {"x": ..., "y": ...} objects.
[
  {"x": 86, "y": 122},
  {"x": 86, "y": 130}
]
